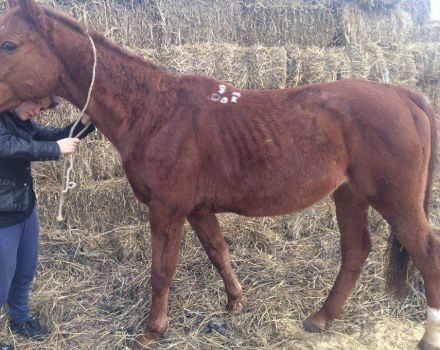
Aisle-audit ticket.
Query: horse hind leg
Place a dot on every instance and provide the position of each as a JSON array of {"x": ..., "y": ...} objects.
[
  {"x": 351, "y": 213},
  {"x": 411, "y": 228},
  {"x": 207, "y": 229}
]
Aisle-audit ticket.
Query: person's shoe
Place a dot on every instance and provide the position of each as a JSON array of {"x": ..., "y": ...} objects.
[
  {"x": 31, "y": 329},
  {"x": 6, "y": 346}
]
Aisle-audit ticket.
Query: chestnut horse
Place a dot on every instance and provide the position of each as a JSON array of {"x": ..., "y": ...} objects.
[{"x": 192, "y": 147}]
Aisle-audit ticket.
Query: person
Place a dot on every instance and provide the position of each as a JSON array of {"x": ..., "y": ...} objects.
[{"x": 23, "y": 141}]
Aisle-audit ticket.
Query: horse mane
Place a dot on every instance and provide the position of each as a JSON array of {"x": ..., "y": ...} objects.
[{"x": 98, "y": 38}]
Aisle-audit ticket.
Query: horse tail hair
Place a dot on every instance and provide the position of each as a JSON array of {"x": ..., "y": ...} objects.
[
  {"x": 432, "y": 158},
  {"x": 397, "y": 273}
]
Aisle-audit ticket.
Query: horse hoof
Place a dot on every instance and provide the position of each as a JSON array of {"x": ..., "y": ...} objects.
[
  {"x": 234, "y": 308},
  {"x": 141, "y": 343},
  {"x": 312, "y": 326},
  {"x": 425, "y": 346}
]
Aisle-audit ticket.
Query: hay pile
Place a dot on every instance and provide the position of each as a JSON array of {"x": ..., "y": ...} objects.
[
  {"x": 359, "y": 27},
  {"x": 427, "y": 58},
  {"x": 93, "y": 288},
  {"x": 282, "y": 22},
  {"x": 93, "y": 283},
  {"x": 247, "y": 67},
  {"x": 316, "y": 64},
  {"x": 164, "y": 23}
]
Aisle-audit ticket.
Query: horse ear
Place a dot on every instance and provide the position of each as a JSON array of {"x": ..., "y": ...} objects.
[
  {"x": 12, "y": 3},
  {"x": 30, "y": 8},
  {"x": 33, "y": 12}
]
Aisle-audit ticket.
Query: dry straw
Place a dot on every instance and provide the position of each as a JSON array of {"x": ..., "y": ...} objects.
[
  {"x": 427, "y": 60},
  {"x": 93, "y": 288},
  {"x": 159, "y": 23},
  {"x": 93, "y": 282},
  {"x": 429, "y": 33},
  {"x": 245, "y": 67},
  {"x": 378, "y": 4},
  {"x": 95, "y": 205},
  {"x": 359, "y": 27},
  {"x": 282, "y": 22},
  {"x": 317, "y": 64}
]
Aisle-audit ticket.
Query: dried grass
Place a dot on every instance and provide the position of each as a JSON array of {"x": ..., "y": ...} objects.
[
  {"x": 385, "y": 28},
  {"x": 164, "y": 23},
  {"x": 281, "y": 22},
  {"x": 93, "y": 288},
  {"x": 428, "y": 33},
  {"x": 93, "y": 282},
  {"x": 427, "y": 59},
  {"x": 316, "y": 64},
  {"x": 94, "y": 205},
  {"x": 378, "y": 4}
]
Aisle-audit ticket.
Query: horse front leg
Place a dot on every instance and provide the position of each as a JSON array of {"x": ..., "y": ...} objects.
[
  {"x": 166, "y": 236},
  {"x": 207, "y": 228}
]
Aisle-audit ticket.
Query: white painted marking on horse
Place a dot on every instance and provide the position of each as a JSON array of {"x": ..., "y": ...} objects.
[
  {"x": 235, "y": 97},
  {"x": 432, "y": 331},
  {"x": 220, "y": 95},
  {"x": 433, "y": 314},
  {"x": 215, "y": 97},
  {"x": 222, "y": 89}
]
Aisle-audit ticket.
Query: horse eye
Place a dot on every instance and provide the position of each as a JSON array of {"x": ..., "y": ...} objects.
[{"x": 9, "y": 46}]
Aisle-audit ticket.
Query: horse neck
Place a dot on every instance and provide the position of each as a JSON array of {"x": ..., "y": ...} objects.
[{"x": 124, "y": 90}]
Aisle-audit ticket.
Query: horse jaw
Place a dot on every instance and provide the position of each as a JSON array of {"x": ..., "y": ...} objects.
[{"x": 8, "y": 100}]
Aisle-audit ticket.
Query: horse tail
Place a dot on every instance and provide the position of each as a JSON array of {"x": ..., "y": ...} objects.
[{"x": 398, "y": 256}]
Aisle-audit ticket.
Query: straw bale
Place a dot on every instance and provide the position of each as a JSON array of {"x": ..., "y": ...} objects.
[
  {"x": 93, "y": 205},
  {"x": 401, "y": 65},
  {"x": 157, "y": 23},
  {"x": 265, "y": 67},
  {"x": 367, "y": 61},
  {"x": 314, "y": 64},
  {"x": 160, "y": 23},
  {"x": 427, "y": 59},
  {"x": 427, "y": 33},
  {"x": 96, "y": 159},
  {"x": 378, "y": 4},
  {"x": 433, "y": 92},
  {"x": 282, "y": 22},
  {"x": 221, "y": 61},
  {"x": 245, "y": 67},
  {"x": 385, "y": 28},
  {"x": 196, "y": 21}
]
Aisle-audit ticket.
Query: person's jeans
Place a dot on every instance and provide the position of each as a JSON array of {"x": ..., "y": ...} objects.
[{"x": 18, "y": 264}]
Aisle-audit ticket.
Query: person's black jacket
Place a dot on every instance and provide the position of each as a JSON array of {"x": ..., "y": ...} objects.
[{"x": 22, "y": 142}]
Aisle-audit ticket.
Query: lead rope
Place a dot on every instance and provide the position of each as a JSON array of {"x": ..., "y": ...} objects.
[{"x": 67, "y": 183}]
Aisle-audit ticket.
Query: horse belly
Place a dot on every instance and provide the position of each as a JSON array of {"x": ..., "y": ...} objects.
[{"x": 282, "y": 196}]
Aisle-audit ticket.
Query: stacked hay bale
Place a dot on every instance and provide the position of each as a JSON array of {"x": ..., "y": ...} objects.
[
  {"x": 253, "y": 44},
  {"x": 99, "y": 267}
]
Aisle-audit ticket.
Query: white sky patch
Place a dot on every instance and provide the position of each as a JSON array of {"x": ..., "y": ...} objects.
[{"x": 435, "y": 7}]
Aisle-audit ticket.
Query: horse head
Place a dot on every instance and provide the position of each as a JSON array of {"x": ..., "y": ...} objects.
[{"x": 29, "y": 68}]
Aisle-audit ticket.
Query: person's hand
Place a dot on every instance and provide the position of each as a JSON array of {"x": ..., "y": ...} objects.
[
  {"x": 85, "y": 119},
  {"x": 68, "y": 146}
]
